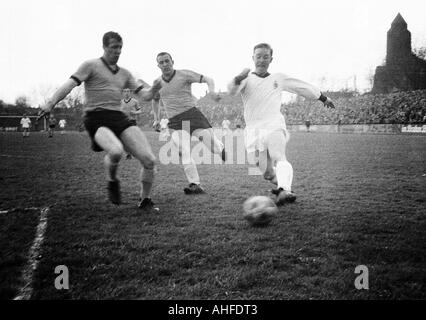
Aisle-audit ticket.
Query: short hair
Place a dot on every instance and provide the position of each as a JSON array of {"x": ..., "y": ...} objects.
[
  {"x": 163, "y": 54},
  {"x": 110, "y": 35},
  {"x": 263, "y": 45}
]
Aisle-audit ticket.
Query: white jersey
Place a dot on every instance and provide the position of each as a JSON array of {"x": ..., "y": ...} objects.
[
  {"x": 25, "y": 122},
  {"x": 225, "y": 124},
  {"x": 62, "y": 123},
  {"x": 262, "y": 105},
  {"x": 262, "y": 97}
]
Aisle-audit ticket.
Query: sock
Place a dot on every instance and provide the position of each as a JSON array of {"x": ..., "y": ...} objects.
[
  {"x": 147, "y": 178},
  {"x": 284, "y": 174},
  {"x": 191, "y": 173}
]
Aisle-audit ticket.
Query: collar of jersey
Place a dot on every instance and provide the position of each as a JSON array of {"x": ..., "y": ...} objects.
[
  {"x": 109, "y": 68},
  {"x": 267, "y": 74},
  {"x": 127, "y": 101},
  {"x": 174, "y": 73}
]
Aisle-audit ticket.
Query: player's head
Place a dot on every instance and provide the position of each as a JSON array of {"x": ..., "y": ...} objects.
[
  {"x": 127, "y": 93},
  {"x": 165, "y": 63},
  {"x": 112, "y": 44},
  {"x": 262, "y": 57}
]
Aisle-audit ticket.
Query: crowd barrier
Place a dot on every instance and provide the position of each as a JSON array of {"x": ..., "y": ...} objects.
[{"x": 362, "y": 128}]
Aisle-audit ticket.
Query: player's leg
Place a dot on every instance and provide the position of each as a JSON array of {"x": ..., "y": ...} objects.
[
  {"x": 276, "y": 143},
  {"x": 113, "y": 147},
  {"x": 182, "y": 141},
  {"x": 137, "y": 144},
  {"x": 211, "y": 141}
]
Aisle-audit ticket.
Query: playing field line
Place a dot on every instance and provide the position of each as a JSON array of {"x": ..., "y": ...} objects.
[{"x": 26, "y": 290}]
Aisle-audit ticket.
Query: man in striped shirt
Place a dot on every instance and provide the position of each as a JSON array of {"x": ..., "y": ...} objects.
[
  {"x": 109, "y": 128},
  {"x": 265, "y": 131}
]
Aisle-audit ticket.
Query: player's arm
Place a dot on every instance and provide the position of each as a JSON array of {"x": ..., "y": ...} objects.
[
  {"x": 59, "y": 95},
  {"x": 82, "y": 74},
  {"x": 146, "y": 92},
  {"x": 237, "y": 83},
  {"x": 156, "y": 110},
  {"x": 306, "y": 90},
  {"x": 211, "y": 86}
]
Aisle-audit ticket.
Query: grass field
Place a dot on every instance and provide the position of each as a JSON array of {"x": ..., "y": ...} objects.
[{"x": 361, "y": 201}]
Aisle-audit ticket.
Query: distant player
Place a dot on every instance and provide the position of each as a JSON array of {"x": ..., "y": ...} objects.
[
  {"x": 26, "y": 124},
  {"x": 51, "y": 124},
  {"x": 62, "y": 123},
  {"x": 130, "y": 106},
  {"x": 265, "y": 130},
  {"x": 225, "y": 126},
  {"x": 308, "y": 125},
  {"x": 110, "y": 130},
  {"x": 180, "y": 108}
]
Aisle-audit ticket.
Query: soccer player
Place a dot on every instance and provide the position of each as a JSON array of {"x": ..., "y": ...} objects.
[
  {"x": 308, "y": 125},
  {"x": 62, "y": 124},
  {"x": 180, "y": 107},
  {"x": 110, "y": 130},
  {"x": 130, "y": 106},
  {"x": 225, "y": 126},
  {"x": 51, "y": 125},
  {"x": 26, "y": 124},
  {"x": 265, "y": 131}
]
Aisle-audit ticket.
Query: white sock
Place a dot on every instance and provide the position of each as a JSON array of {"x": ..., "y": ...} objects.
[
  {"x": 191, "y": 173},
  {"x": 284, "y": 173}
]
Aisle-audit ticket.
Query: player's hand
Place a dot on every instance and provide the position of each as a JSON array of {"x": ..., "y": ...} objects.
[
  {"x": 140, "y": 82},
  {"x": 243, "y": 74},
  {"x": 156, "y": 86},
  {"x": 329, "y": 103},
  {"x": 45, "y": 110},
  {"x": 156, "y": 126}
]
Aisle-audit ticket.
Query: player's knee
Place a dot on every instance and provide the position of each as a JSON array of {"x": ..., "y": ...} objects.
[
  {"x": 115, "y": 153},
  {"x": 148, "y": 162}
]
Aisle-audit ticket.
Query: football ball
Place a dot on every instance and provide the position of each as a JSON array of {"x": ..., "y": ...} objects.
[{"x": 259, "y": 210}]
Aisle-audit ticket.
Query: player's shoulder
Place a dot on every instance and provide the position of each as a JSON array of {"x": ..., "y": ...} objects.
[
  {"x": 125, "y": 70},
  {"x": 92, "y": 62},
  {"x": 280, "y": 75},
  {"x": 187, "y": 72}
]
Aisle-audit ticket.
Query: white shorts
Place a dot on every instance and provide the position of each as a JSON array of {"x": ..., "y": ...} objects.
[{"x": 257, "y": 139}]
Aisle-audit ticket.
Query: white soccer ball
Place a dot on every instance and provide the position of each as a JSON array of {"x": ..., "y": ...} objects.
[{"x": 259, "y": 210}]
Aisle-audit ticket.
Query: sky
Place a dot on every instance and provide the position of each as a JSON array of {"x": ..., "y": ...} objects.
[{"x": 332, "y": 44}]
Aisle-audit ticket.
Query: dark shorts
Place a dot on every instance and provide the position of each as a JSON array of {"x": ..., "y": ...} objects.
[
  {"x": 116, "y": 121},
  {"x": 51, "y": 126},
  {"x": 195, "y": 118}
]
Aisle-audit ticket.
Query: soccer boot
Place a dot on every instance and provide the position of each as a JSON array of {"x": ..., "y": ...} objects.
[
  {"x": 147, "y": 206},
  {"x": 114, "y": 192},
  {"x": 284, "y": 196},
  {"x": 193, "y": 189}
]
